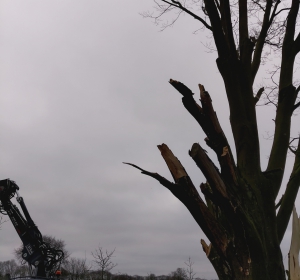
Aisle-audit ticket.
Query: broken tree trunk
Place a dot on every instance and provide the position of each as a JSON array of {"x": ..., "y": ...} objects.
[{"x": 237, "y": 214}]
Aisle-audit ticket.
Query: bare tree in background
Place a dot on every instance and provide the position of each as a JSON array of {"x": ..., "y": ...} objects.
[
  {"x": 178, "y": 274},
  {"x": 55, "y": 243},
  {"x": 76, "y": 269},
  {"x": 9, "y": 268},
  {"x": 241, "y": 214},
  {"x": 189, "y": 270},
  {"x": 103, "y": 260}
]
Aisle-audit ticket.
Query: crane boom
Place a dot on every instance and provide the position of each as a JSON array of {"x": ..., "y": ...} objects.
[{"x": 36, "y": 252}]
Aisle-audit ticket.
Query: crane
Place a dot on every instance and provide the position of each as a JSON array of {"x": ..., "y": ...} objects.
[{"x": 43, "y": 260}]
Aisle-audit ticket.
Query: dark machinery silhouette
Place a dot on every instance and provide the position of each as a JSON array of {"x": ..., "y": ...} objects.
[{"x": 43, "y": 260}]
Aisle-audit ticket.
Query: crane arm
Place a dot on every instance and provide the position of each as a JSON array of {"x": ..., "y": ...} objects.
[{"x": 35, "y": 251}]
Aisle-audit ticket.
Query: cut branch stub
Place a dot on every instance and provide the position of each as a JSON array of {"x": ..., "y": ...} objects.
[
  {"x": 228, "y": 166},
  {"x": 220, "y": 265},
  {"x": 209, "y": 170},
  {"x": 182, "y": 88},
  {"x": 174, "y": 165},
  {"x": 206, "y": 248},
  {"x": 258, "y": 95},
  {"x": 209, "y": 111},
  {"x": 208, "y": 194},
  {"x": 207, "y": 119},
  {"x": 186, "y": 192}
]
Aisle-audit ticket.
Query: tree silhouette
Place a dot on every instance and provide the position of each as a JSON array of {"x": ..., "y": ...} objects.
[
  {"x": 241, "y": 214},
  {"x": 103, "y": 260}
]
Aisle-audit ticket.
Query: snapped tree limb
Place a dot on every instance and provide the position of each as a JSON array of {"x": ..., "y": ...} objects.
[
  {"x": 186, "y": 192},
  {"x": 209, "y": 170},
  {"x": 207, "y": 119},
  {"x": 258, "y": 95}
]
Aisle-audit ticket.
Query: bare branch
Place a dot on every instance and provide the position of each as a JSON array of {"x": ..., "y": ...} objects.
[
  {"x": 258, "y": 95},
  {"x": 162, "y": 10},
  {"x": 274, "y": 14},
  {"x": 296, "y": 106},
  {"x": 292, "y": 148},
  {"x": 259, "y": 5},
  {"x": 289, "y": 48},
  {"x": 169, "y": 6},
  {"x": 156, "y": 176},
  {"x": 180, "y": 6},
  {"x": 285, "y": 9},
  {"x": 103, "y": 259}
]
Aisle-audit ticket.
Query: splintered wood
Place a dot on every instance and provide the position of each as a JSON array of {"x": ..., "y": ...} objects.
[
  {"x": 206, "y": 248},
  {"x": 294, "y": 269},
  {"x": 174, "y": 165}
]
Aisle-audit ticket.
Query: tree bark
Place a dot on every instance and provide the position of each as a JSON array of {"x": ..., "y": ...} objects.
[{"x": 238, "y": 212}]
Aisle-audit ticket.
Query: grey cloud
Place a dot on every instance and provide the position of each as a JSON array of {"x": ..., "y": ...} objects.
[{"x": 84, "y": 87}]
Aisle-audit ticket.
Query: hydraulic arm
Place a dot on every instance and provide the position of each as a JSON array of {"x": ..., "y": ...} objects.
[{"x": 36, "y": 252}]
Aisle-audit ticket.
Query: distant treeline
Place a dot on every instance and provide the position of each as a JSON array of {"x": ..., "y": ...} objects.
[{"x": 76, "y": 269}]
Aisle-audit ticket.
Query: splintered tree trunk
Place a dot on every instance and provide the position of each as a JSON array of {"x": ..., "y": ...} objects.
[{"x": 238, "y": 215}]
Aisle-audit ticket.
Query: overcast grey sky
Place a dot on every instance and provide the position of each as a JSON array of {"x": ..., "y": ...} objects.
[{"x": 84, "y": 87}]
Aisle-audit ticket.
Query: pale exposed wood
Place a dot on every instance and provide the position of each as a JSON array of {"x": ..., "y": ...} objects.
[
  {"x": 206, "y": 248},
  {"x": 174, "y": 165},
  {"x": 208, "y": 120},
  {"x": 186, "y": 192},
  {"x": 294, "y": 269},
  {"x": 225, "y": 151},
  {"x": 228, "y": 165}
]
